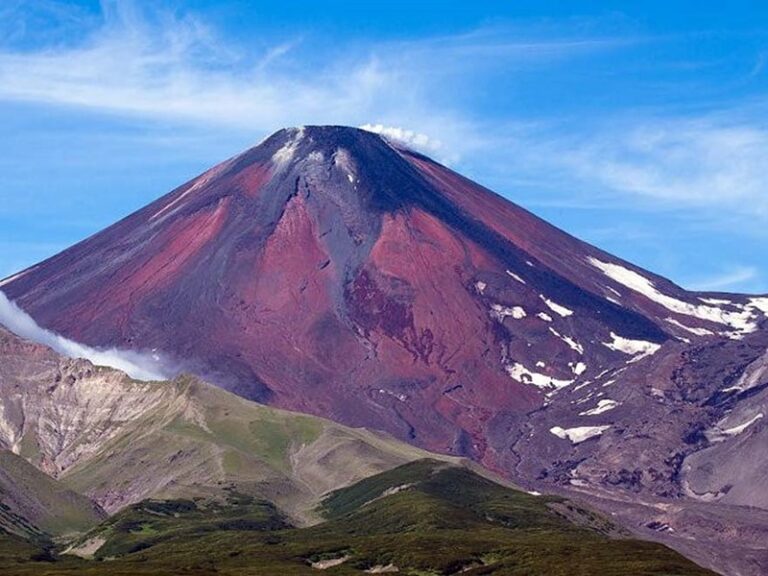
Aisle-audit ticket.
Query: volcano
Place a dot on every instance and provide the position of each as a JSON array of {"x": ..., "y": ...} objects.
[{"x": 331, "y": 271}]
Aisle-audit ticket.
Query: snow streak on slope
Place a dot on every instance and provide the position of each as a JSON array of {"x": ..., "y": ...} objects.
[
  {"x": 638, "y": 348},
  {"x": 136, "y": 365},
  {"x": 742, "y": 321},
  {"x": 578, "y": 434}
]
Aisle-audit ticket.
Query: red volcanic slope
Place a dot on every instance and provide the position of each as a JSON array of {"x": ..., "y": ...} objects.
[{"x": 331, "y": 272}]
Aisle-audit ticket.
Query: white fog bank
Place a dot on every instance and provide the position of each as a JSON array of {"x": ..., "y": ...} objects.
[{"x": 137, "y": 365}]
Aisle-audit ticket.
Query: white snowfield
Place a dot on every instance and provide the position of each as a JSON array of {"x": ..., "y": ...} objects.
[
  {"x": 637, "y": 348},
  {"x": 578, "y": 434},
  {"x": 742, "y": 319},
  {"x": 602, "y": 406}
]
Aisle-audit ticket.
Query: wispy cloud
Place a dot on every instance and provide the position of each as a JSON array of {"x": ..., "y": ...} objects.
[
  {"x": 460, "y": 97},
  {"x": 712, "y": 165},
  {"x": 160, "y": 65},
  {"x": 695, "y": 161},
  {"x": 734, "y": 278},
  {"x": 137, "y": 365}
]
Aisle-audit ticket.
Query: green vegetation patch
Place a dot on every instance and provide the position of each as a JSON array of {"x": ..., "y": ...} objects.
[{"x": 423, "y": 518}]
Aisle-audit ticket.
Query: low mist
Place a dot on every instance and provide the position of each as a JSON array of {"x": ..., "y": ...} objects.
[{"x": 137, "y": 365}]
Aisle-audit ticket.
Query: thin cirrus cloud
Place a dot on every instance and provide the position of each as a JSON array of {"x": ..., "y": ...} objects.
[
  {"x": 161, "y": 66},
  {"x": 727, "y": 280},
  {"x": 704, "y": 162}
]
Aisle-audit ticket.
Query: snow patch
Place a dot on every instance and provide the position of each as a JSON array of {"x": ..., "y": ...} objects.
[
  {"x": 602, "y": 406},
  {"x": 696, "y": 331},
  {"x": 741, "y": 427},
  {"x": 578, "y": 434},
  {"x": 752, "y": 376},
  {"x": 637, "y": 348},
  {"x": 521, "y": 374},
  {"x": 544, "y": 316},
  {"x": 720, "y": 433},
  {"x": 481, "y": 286},
  {"x": 579, "y": 368},
  {"x": 287, "y": 152},
  {"x": 556, "y": 308},
  {"x": 572, "y": 344},
  {"x": 616, "y": 292}
]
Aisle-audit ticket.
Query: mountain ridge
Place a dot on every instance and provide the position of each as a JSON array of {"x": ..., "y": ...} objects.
[{"x": 119, "y": 441}]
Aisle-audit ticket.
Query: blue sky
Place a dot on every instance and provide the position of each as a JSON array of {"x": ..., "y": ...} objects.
[{"x": 639, "y": 127}]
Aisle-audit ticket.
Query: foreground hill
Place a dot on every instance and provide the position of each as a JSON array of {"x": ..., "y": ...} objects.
[
  {"x": 425, "y": 517},
  {"x": 119, "y": 441},
  {"x": 33, "y": 505}
]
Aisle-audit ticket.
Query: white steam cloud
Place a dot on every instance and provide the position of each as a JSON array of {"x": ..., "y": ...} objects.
[
  {"x": 136, "y": 365},
  {"x": 409, "y": 138}
]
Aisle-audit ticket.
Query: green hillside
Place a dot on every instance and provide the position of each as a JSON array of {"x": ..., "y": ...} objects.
[
  {"x": 423, "y": 518},
  {"x": 35, "y": 505},
  {"x": 201, "y": 441}
]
